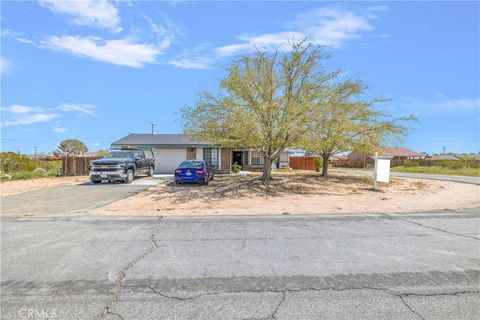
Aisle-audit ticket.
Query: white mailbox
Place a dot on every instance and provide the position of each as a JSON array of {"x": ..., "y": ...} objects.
[{"x": 382, "y": 169}]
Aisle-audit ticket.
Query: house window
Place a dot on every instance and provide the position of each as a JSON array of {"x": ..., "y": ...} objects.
[
  {"x": 210, "y": 155},
  {"x": 257, "y": 158}
]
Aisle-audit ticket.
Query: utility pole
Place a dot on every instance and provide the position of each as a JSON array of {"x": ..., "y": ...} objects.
[
  {"x": 35, "y": 152},
  {"x": 444, "y": 150},
  {"x": 153, "y": 125}
]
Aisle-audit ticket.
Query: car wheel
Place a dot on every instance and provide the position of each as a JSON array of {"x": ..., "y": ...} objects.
[
  {"x": 96, "y": 181},
  {"x": 130, "y": 176},
  {"x": 150, "y": 171}
]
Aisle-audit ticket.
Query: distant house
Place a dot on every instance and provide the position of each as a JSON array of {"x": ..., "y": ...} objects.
[
  {"x": 439, "y": 157},
  {"x": 397, "y": 153},
  {"x": 339, "y": 157},
  {"x": 170, "y": 150},
  {"x": 454, "y": 156}
]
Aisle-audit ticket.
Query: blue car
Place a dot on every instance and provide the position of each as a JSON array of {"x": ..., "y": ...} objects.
[{"x": 196, "y": 171}]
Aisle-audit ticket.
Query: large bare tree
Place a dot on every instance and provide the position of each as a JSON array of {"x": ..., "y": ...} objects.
[{"x": 264, "y": 102}]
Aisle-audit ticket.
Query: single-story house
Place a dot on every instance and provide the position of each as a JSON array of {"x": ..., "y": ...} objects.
[
  {"x": 169, "y": 150},
  {"x": 397, "y": 153},
  {"x": 439, "y": 157},
  {"x": 339, "y": 157}
]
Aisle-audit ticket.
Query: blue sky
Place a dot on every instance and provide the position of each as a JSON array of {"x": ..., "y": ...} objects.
[{"x": 98, "y": 70}]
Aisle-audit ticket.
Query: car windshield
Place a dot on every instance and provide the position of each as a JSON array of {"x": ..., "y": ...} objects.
[
  {"x": 119, "y": 154},
  {"x": 192, "y": 164}
]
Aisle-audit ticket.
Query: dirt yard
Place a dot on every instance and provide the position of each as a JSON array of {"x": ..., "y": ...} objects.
[
  {"x": 9, "y": 188},
  {"x": 296, "y": 193}
]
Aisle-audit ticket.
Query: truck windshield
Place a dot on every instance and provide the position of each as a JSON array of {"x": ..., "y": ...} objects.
[{"x": 119, "y": 154}]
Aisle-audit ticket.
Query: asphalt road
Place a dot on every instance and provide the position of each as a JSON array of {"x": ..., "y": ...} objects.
[
  {"x": 420, "y": 266},
  {"x": 441, "y": 177},
  {"x": 71, "y": 199}
]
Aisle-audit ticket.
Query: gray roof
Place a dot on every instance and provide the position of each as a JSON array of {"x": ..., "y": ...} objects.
[
  {"x": 443, "y": 157},
  {"x": 166, "y": 140}
]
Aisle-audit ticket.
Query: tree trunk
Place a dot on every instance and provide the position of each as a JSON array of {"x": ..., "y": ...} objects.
[
  {"x": 267, "y": 168},
  {"x": 325, "y": 165}
]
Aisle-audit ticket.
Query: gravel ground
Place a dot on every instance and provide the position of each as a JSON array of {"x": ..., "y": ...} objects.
[{"x": 296, "y": 193}]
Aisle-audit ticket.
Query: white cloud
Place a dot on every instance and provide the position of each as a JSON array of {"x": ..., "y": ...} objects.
[
  {"x": 378, "y": 8},
  {"x": 19, "y": 109},
  {"x": 439, "y": 104},
  {"x": 16, "y": 115},
  {"x": 5, "y": 65},
  {"x": 193, "y": 62},
  {"x": 327, "y": 26},
  {"x": 83, "y": 108},
  {"x": 124, "y": 52},
  {"x": 454, "y": 104},
  {"x": 60, "y": 129},
  {"x": 95, "y": 13}
]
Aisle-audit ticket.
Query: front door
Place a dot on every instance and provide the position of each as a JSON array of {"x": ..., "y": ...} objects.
[{"x": 237, "y": 156}]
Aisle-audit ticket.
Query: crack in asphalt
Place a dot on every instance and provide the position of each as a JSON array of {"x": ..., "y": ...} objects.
[
  {"x": 115, "y": 314},
  {"x": 410, "y": 308},
  {"x": 429, "y": 227},
  {"x": 121, "y": 275},
  {"x": 273, "y": 314}
]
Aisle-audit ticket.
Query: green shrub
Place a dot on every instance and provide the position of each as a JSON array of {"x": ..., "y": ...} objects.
[
  {"x": 452, "y": 164},
  {"x": 469, "y": 162},
  {"x": 411, "y": 163},
  {"x": 236, "y": 167},
  {"x": 318, "y": 163},
  {"x": 475, "y": 164},
  {"x": 11, "y": 162},
  {"x": 54, "y": 172},
  {"x": 25, "y": 175}
]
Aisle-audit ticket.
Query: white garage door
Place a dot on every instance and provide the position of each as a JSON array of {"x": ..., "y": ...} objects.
[{"x": 167, "y": 160}]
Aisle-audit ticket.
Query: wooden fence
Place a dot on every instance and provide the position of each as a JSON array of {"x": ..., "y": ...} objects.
[
  {"x": 302, "y": 162},
  {"x": 350, "y": 163},
  {"x": 369, "y": 162},
  {"x": 76, "y": 165}
]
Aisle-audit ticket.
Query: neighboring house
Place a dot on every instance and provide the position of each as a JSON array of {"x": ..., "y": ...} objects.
[
  {"x": 454, "y": 156},
  {"x": 170, "y": 150},
  {"x": 339, "y": 158},
  {"x": 397, "y": 153},
  {"x": 438, "y": 157}
]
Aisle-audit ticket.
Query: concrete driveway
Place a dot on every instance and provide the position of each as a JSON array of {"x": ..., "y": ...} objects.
[
  {"x": 420, "y": 266},
  {"x": 71, "y": 199},
  {"x": 441, "y": 177}
]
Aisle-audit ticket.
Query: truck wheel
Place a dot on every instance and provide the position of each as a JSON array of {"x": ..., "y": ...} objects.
[
  {"x": 150, "y": 171},
  {"x": 130, "y": 176},
  {"x": 96, "y": 181}
]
